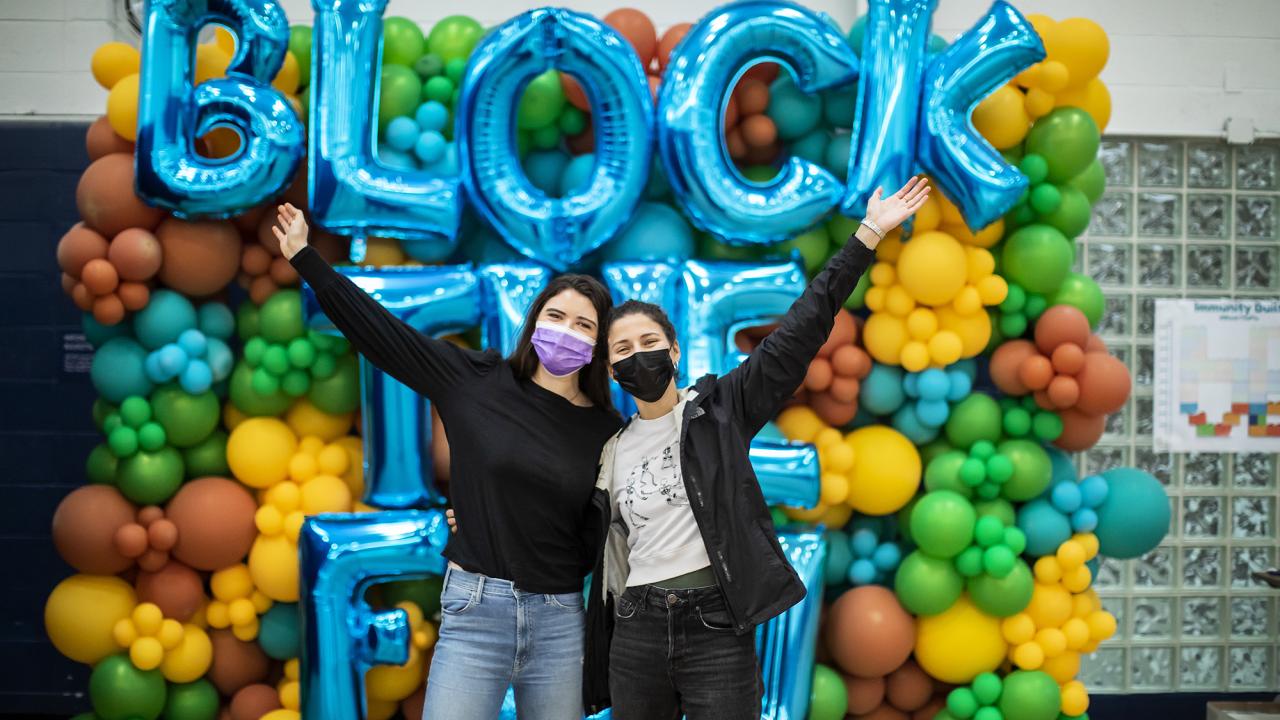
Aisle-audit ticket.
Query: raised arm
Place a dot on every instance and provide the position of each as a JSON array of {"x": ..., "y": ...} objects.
[
  {"x": 428, "y": 365},
  {"x": 759, "y": 387}
]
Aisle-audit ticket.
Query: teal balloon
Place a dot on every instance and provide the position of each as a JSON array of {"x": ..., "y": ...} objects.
[
  {"x": 544, "y": 168},
  {"x": 812, "y": 147},
  {"x": 856, "y": 35},
  {"x": 1135, "y": 516},
  {"x": 794, "y": 112},
  {"x": 839, "y": 105},
  {"x": 118, "y": 370},
  {"x": 839, "y": 557},
  {"x": 1030, "y": 695},
  {"x": 881, "y": 392},
  {"x": 927, "y": 585},
  {"x": 1045, "y": 527},
  {"x": 95, "y": 333},
  {"x": 942, "y": 523},
  {"x": 280, "y": 635},
  {"x": 576, "y": 173},
  {"x": 1068, "y": 140},
  {"x": 1003, "y": 596},
  {"x": 164, "y": 318},
  {"x": 837, "y": 160},
  {"x": 1037, "y": 257},
  {"x": 655, "y": 232}
]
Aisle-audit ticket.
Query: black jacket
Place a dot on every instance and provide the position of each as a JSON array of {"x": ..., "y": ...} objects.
[{"x": 720, "y": 417}]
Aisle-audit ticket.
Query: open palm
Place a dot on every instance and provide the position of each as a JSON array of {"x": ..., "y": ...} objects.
[
  {"x": 890, "y": 212},
  {"x": 290, "y": 229}
]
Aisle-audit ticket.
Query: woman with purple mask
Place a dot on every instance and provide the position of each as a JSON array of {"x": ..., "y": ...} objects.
[{"x": 525, "y": 434}]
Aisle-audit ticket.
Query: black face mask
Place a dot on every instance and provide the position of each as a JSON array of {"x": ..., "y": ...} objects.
[{"x": 645, "y": 375}]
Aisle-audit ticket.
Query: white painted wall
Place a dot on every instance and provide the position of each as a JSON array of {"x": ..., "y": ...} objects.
[{"x": 1178, "y": 67}]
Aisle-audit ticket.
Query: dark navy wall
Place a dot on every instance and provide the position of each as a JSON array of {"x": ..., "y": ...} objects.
[{"x": 46, "y": 430}]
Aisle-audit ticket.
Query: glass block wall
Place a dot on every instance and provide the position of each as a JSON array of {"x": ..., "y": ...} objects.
[{"x": 1186, "y": 218}]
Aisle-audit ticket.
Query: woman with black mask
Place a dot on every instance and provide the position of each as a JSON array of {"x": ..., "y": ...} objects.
[
  {"x": 690, "y": 564},
  {"x": 525, "y": 434}
]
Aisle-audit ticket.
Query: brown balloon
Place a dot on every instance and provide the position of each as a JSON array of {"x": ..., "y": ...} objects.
[
  {"x": 638, "y": 29},
  {"x": 851, "y": 361},
  {"x": 759, "y": 131},
  {"x": 412, "y": 705},
  {"x": 1036, "y": 372},
  {"x": 333, "y": 248},
  {"x": 765, "y": 72},
  {"x": 282, "y": 273},
  {"x": 831, "y": 409},
  {"x": 106, "y": 200},
  {"x": 102, "y": 140},
  {"x": 251, "y": 702},
  {"x": 81, "y": 296},
  {"x": 870, "y": 634},
  {"x": 1079, "y": 431},
  {"x": 909, "y": 688},
  {"x": 753, "y": 97},
  {"x": 85, "y": 526},
  {"x": 818, "y": 377},
  {"x": 78, "y": 246},
  {"x": 1063, "y": 391},
  {"x": 574, "y": 93},
  {"x": 255, "y": 259},
  {"x": 865, "y": 694},
  {"x": 582, "y": 143},
  {"x": 763, "y": 155},
  {"x": 200, "y": 257},
  {"x": 99, "y": 276},
  {"x": 884, "y": 712},
  {"x": 1006, "y": 362},
  {"x": 108, "y": 309},
  {"x": 131, "y": 540},
  {"x": 175, "y": 587},
  {"x": 1067, "y": 358},
  {"x": 1061, "y": 324},
  {"x": 214, "y": 517},
  {"x": 68, "y": 283},
  {"x": 247, "y": 221},
  {"x": 262, "y": 288},
  {"x": 670, "y": 39},
  {"x": 843, "y": 334},
  {"x": 736, "y": 145},
  {"x": 136, "y": 253},
  {"x": 929, "y": 711},
  {"x": 236, "y": 664},
  {"x": 1104, "y": 384},
  {"x": 844, "y": 389},
  {"x": 135, "y": 296}
]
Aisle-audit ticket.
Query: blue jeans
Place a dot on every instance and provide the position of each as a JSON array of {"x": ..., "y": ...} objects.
[{"x": 492, "y": 636}]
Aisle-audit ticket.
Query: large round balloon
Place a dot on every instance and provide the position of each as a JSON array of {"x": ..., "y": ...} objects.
[
  {"x": 85, "y": 526},
  {"x": 886, "y": 470},
  {"x": 927, "y": 585},
  {"x": 1068, "y": 139},
  {"x": 81, "y": 613},
  {"x": 868, "y": 632},
  {"x": 1135, "y": 516},
  {"x": 956, "y": 645},
  {"x": 120, "y": 691},
  {"x": 942, "y": 523},
  {"x": 214, "y": 517},
  {"x": 106, "y": 200}
]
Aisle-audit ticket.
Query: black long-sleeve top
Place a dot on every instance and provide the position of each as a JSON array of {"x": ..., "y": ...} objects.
[{"x": 522, "y": 458}]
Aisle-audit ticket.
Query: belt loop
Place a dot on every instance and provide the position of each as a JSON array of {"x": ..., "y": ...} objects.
[
  {"x": 479, "y": 591},
  {"x": 444, "y": 584}
]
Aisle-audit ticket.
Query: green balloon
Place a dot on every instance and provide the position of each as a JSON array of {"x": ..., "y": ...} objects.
[
  {"x": 973, "y": 419},
  {"x": 1045, "y": 198},
  {"x": 151, "y": 437},
  {"x": 942, "y": 523},
  {"x": 191, "y": 701},
  {"x": 247, "y": 320},
  {"x": 397, "y": 96},
  {"x": 123, "y": 441},
  {"x": 295, "y": 383},
  {"x": 779, "y": 517},
  {"x": 936, "y": 448},
  {"x": 300, "y": 46},
  {"x": 927, "y": 585},
  {"x": 454, "y": 37},
  {"x": 828, "y": 696},
  {"x": 573, "y": 121},
  {"x": 711, "y": 248},
  {"x": 402, "y": 41},
  {"x": 135, "y": 410},
  {"x": 425, "y": 593},
  {"x": 1032, "y": 469},
  {"x": 998, "y": 508},
  {"x": 1071, "y": 216},
  {"x": 969, "y": 562},
  {"x": 944, "y": 473},
  {"x": 120, "y": 691},
  {"x": 439, "y": 89},
  {"x": 542, "y": 101},
  {"x": 324, "y": 366},
  {"x": 428, "y": 66},
  {"x": 962, "y": 703},
  {"x": 546, "y": 137},
  {"x": 264, "y": 382},
  {"x": 1034, "y": 167},
  {"x": 1068, "y": 139},
  {"x": 208, "y": 457},
  {"x": 339, "y": 393},
  {"x": 998, "y": 561},
  {"x": 250, "y": 401},
  {"x": 812, "y": 246},
  {"x": 988, "y": 530},
  {"x": 455, "y": 69},
  {"x": 187, "y": 419},
  {"x": 1037, "y": 257},
  {"x": 100, "y": 466},
  {"x": 1081, "y": 292},
  {"x": 1030, "y": 695},
  {"x": 1046, "y": 426},
  {"x": 859, "y": 294},
  {"x": 987, "y": 687},
  {"x": 1092, "y": 181},
  {"x": 150, "y": 478},
  {"x": 85, "y": 716},
  {"x": 1002, "y": 597},
  {"x": 281, "y": 317}
]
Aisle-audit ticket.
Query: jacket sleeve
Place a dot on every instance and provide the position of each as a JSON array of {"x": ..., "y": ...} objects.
[
  {"x": 757, "y": 389},
  {"x": 427, "y": 365}
]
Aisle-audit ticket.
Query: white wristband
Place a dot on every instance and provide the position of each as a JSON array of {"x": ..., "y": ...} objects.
[{"x": 873, "y": 227}]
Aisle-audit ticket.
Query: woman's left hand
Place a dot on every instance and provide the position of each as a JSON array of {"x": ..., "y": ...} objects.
[{"x": 890, "y": 212}]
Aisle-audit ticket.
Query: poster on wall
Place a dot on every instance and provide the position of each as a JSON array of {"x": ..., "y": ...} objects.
[{"x": 1217, "y": 379}]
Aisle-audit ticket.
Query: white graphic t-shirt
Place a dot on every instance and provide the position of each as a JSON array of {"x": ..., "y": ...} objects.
[{"x": 648, "y": 490}]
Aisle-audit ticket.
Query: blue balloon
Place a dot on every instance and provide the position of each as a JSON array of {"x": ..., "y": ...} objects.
[
  {"x": 974, "y": 175},
  {"x": 447, "y": 165},
  {"x": 881, "y": 392},
  {"x": 577, "y": 173},
  {"x": 393, "y": 158},
  {"x": 193, "y": 342},
  {"x": 1135, "y": 516},
  {"x": 786, "y": 644},
  {"x": 153, "y": 370},
  {"x": 220, "y": 359},
  {"x": 171, "y": 359},
  {"x": 1045, "y": 527},
  {"x": 401, "y": 134},
  {"x": 1093, "y": 490},
  {"x": 1066, "y": 497},
  {"x": 430, "y": 147},
  {"x": 397, "y": 421},
  {"x": 887, "y": 556},
  {"x": 862, "y": 572},
  {"x": 933, "y": 413},
  {"x": 655, "y": 232},
  {"x": 960, "y": 385},
  {"x": 431, "y": 115},
  {"x": 196, "y": 377},
  {"x": 545, "y": 168},
  {"x": 216, "y": 320},
  {"x": 907, "y": 422},
  {"x": 353, "y": 190},
  {"x": 933, "y": 384},
  {"x": 173, "y": 112},
  {"x": 864, "y": 543},
  {"x": 164, "y": 319},
  {"x": 691, "y": 102},
  {"x": 556, "y": 231},
  {"x": 1084, "y": 520},
  {"x": 341, "y": 555},
  {"x": 911, "y": 385}
]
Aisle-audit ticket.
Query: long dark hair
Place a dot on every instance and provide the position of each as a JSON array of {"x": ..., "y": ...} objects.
[{"x": 593, "y": 380}]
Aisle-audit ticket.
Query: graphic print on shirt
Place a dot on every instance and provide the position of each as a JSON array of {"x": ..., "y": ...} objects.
[{"x": 656, "y": 474}]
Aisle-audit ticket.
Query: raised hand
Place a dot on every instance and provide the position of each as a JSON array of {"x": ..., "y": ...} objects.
[
  {"x": 290, "y": 229},
  {"x": 890, "y": 212}
]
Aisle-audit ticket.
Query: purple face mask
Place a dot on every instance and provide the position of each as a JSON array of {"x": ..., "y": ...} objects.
[{"x": 561, "y": 350}]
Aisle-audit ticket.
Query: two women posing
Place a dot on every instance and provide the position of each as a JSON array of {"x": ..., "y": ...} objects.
[{"x": 669, "y": 518}]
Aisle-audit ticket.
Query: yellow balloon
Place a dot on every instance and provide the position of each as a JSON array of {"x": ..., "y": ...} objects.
[
  {"x": 122, "y": 107},
  {"x": 1102, "y": 625},
  {"x": 241, "y": 611},
  {"x": 945, "y": 348},
  {"x": 825, "y": 439},
  {"x": 1052, "y": 641},
  {"x": 114, "y": 61},
  {"x": 1075, "y": 700},
  {"x": 1077, "y": 579},
  {"x": 1054, "y": 76},
  {"x": 974, "y": 330},
  {"x": 286, "y": 81},
  {"x": 1050, "y": 606},
  {"x": 1076, "y": 632},
  {"x": 1094, "y": 98},
  {"x": 170, "y": 635},
  {"x": 884, "y": 335},
  {"x": 836, "y": 457},
  {"x": 1070, "y": 555},
  {"x": 1028, "y": 656},
  {"x": 985, "y": 238},
  {"x": 993, "y": 290},
  {"x": 124, "y": 632},
  {"x": 800, "y": 422},
  {"x": 1082, "y": 46},
  {"x": 332, "y": 460},
  {"x": 302, "y": 467},
  {"x": 325, "y": 493},
  {"x": 922, "y": 323},
  {"x": 960, "y": 643},
  {"x": 1063, "y": 667},
  {"x": 259, "y": 451},
  {"x": 835, "y": 488},
  {"x": 81, "y": 614},
  {"x": 247, "y": 632},
  {"x": 1089, "y": 542},
  {"x": 1047, "y": 570},
  {"x": 898, "y": 301},
  {"x": 394, "y": 682},
  {"x": 383, "y": 251},
  {"x": 146, "y": 653},
  {"x": 1002, "y": 118},
  {"x": 211, "y": 62},
  {"x": 886, "y": 470},
  {"x": 273, "y": 562},
  {"x": 191, "y": 659},
  {"x": 231, "y": 582},
  {"x": 806, "y": 516},
  {"x": 380, "y": 709},
  {"x": 282, "y": 714},
  {"x": 929, "y": 216},
  {"x": 932, "y": 268},
  {"x": 1018, "y": 629},
  {"x": 1038, "y": 103},
  {"x": 968, "y": 302},
  {"x": 837, "y": 516},
  {"x": 223, "y": 38},
  {"x": 915, "y": 356}
]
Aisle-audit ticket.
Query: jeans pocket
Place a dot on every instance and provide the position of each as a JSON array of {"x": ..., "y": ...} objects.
[
  {"x": 456, "y": 600},
  {"x": 717, "y": 619},
  {"x": 624, "y": 608},
  {"x": 571, "y": 602}
]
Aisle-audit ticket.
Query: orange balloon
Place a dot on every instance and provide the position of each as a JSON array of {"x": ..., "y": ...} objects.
[
  {"x": 106, "y": 200},
  {"x": 574, "y": 93},
  {"x": 869, "y": 633},
  {"x": 255, "y": 260},
  {"x": 832, "y": 410},
  {"x": 759, "y": 131},
  {"x": 78, "y": 246},
  {"x": 818, "y": 378},
  {"x": 765, "y": 72},
  {"x": 670, "y": 39},
  {"x": 930, "y": 710},
  {"x": 844, "y": 390},
  {"x": 909, "y": 688},
  {"x": 884, "y": 712},
  {"x": 654, "y": 83},
  {"x": 1063, "y": 391},
  {"x": 753, "y": 96},
  {"x": 1060, "y": 324},
  {"x": 134, "y": 295},
  {"x": 68, "y": 283},
  {"x": 81, "y": 296},
  {"x": 730, "y": 112},
  {"x": 102, "y": 140},
  {"x": 1104, "y": 384},
  {"x": 1068, "y": 358},
  {"x": 1079, "y": 431},
  {"x": 865, "y": 694},
  {"x": 136, "y": 254},
  {"x": 99, "y": 276},
  {"x": 1006, "y": 361},
  {"x": 200, "y": 257},
  {"x": 736, "y": 145},
  {"x": 1036, "y": 372},
  {"x": 851, "y": 361},
  {"x": 765, "y": 154},
  {"x": 108, "y": 310},
  {"x": 638, "y": 29},
  {"x": 843, "y": 332},
  {"x": 282, "y": 272},
  {"x": 1095, "y": 344}
]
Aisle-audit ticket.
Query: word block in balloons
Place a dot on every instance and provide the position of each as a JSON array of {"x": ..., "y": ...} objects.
[{"x": 913, "y": 114}]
